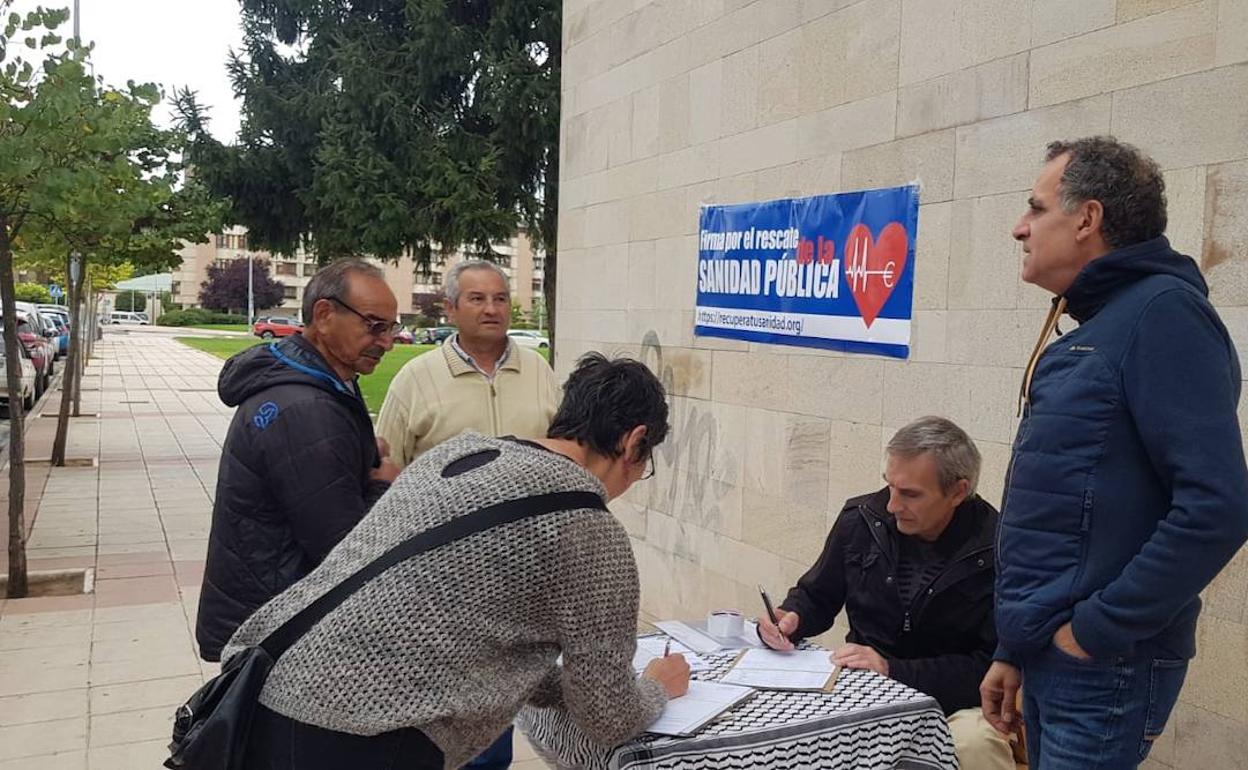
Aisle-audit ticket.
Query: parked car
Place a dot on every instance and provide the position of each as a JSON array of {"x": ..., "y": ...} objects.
[
  {"x": 437, "y": 335},
  {"x": 404, "y": 336},
  {"x": 46, "y": 325},
  {"x": 276, "y": 326},
  {"x": 126, "y": 317},
  {"x": 45, "y": 332},
  {"x": 60, "y": 317},
  {"x": 40, "y": 348},
  {"x": 529, "y": 339},
  {"x": 29, "y": 380}
]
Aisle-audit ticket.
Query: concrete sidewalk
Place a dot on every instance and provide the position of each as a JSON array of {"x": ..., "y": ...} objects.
[{"x": 91, "y": 681}]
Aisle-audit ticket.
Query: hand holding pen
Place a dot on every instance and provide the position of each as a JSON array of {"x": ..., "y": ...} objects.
[
  {"x": 777, "y": 626},
  {"x": 671, "y": 671}
]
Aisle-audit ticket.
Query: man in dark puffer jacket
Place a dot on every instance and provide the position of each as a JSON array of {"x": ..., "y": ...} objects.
[
  {"x": 300, "y": 466},
  {"x": 912, "y": 567},
  {"x": 1127, "y": 488}
]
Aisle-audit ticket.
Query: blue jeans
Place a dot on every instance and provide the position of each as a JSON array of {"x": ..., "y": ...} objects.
[
  {"x": 497, "y": 756},
  {"x": 1097, "y": 714}
]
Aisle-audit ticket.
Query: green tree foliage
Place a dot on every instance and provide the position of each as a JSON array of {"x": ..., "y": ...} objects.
[
  {"x": 386, "y": 127},
  {"x": 82, "y": 169}
]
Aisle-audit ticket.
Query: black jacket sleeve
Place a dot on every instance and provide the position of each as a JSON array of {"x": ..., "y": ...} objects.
[
  {"x": 820, "y": 594},
  {"x": 953, "y": 680},
  {"x": 316, "y": 454}
]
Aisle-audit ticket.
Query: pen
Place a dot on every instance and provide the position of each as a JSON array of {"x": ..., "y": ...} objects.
[
  {"x": 667, "y": 648},
  {"x": 771, "y": 612}
]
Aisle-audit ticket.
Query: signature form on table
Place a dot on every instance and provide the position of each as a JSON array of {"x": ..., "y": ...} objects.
[
  {"x": 704, "y": 701},
  {"x": 773, "y": 670}
]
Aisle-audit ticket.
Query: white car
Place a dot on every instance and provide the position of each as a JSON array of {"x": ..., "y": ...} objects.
[
  {"x": 28, "y": 380},
  {"x": 529, "y": 339},
  {"x": 126, "y": 317}
]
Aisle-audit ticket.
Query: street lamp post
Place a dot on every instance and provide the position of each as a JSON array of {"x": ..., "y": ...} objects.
[{"x": 251, "y": 301}]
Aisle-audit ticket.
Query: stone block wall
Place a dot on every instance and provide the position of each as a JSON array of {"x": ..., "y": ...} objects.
[{"x": 670, "y": 104}]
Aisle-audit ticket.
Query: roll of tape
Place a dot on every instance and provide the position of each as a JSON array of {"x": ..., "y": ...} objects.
[{"x": 725, "y": 623}]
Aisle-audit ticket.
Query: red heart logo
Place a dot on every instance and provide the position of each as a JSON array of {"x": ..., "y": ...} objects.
[{"x": 873, "y": 267}]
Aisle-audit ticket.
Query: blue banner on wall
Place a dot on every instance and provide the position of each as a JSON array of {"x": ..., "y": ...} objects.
[{"x": 832, "y": 271}]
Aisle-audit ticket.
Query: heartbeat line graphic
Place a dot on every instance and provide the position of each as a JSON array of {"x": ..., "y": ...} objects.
[{"x": 857, "y": 271}]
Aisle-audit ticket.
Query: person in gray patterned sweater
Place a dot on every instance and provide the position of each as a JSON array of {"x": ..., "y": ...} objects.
[{"x": 429, "y": 662}]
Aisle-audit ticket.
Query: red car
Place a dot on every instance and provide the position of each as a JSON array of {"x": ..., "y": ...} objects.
[
  {"x": 276, "y": 326},
  {"x": 34, "y": 337}
]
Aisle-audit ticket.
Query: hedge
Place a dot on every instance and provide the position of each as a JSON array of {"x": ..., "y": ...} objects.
[{"x": 197, "y": 316}]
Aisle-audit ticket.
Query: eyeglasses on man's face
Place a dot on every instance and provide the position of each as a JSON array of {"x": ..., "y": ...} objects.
[
  {"x": 378, "y": 327},
  {"x": 649, "y": 472}
]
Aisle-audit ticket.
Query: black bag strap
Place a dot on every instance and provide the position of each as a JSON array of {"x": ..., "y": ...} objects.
[{"x": 460, "y": 527}]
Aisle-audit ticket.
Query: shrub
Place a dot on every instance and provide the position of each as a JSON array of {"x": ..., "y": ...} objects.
[{"x": 196, "y": 316}]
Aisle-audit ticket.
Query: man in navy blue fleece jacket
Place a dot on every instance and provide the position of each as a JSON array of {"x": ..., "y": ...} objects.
[{"x": 1127, "y": 490}]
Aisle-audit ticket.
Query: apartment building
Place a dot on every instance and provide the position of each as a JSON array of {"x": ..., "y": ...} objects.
[{"x": 522, "y": 263}]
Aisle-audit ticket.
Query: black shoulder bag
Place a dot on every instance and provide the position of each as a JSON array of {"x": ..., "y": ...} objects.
[{"x": 210, "y": 730}]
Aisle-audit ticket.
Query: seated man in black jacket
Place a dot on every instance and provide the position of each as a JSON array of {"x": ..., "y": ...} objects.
[
  {"x": 912, "y": 565},
  {"x": 300, "y": 465}
]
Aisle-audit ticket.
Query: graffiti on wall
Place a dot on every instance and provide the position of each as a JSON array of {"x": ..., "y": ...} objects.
[{"x": 691, "y": 455}]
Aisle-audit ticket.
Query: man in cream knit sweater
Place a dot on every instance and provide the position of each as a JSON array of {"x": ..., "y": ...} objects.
[
  {"x": 478, "y": 380},
  {"x": 425, "y": 664}
]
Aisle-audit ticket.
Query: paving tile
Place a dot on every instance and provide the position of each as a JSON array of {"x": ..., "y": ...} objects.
[
  {"x": 59, "y": 552},
  {"x": 131, "y": 726},
  {"x": 43, "y": 706},
  {"x": 161, "y": 667},
  {"x": 22, "y": 680},
  {"x": 170, "y": 628},
  {"x": 141, "y": 612},
  {"x": 134, "y": 696},
  {"x": 15, "y": 639},
  {"x": 25, "y": 621},
  {"x": 121, "y": 549},
  {"x": 33, "y": 740},
  {"x": 131, "y": 756},
  {"x": 69, "y": 760},
  {"x": 141, "y": 569},
  {"x": 137, "y": 557},
  {"x": 64, "y": 562},
  {"x": 74, "y": 653},
  {"x": 140, "y": 648},
  {"x": 138, "y": 590},
  {"x": 189, "y": 573},
  {"x": 44, "y": 604}
]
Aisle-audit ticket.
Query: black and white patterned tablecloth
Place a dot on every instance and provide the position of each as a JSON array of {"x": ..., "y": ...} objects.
[{"x": 868, "y": 721}]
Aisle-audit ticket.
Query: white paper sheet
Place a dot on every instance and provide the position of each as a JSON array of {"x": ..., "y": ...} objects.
[
  {"x": 704, "y": 701},
  {"x": 690, "y": 637},
  {"x": 651, "y": 648},
  {"x": 772, "y": 670}
]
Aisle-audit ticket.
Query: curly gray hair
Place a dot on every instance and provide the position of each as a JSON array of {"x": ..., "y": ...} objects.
[{"x": 1128, "y": 184}]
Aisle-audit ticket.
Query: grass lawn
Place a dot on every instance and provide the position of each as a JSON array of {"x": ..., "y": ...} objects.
[
  {"x": 374, "y": 386},
  {"x": 221, "y": 327}
]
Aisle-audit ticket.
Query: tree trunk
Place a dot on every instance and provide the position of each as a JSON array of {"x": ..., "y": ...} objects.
[
  {"x": 71, "y": 368},
  {"x": 84, "y": 294},
  {"x": 18, "y": 587},
  {"x": 90, "y": 323}
]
